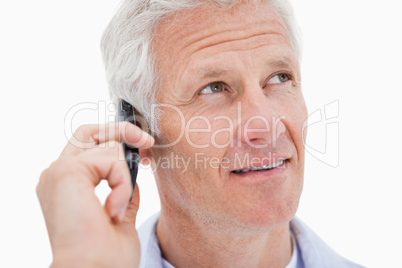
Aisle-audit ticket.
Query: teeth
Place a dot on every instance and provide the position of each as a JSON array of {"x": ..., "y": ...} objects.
[
  {"x": 241, "y": 171},
  {"x": 264, "y": 167}
]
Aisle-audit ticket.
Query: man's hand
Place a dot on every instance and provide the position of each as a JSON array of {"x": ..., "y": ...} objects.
[{"x": 83, "y": 233}]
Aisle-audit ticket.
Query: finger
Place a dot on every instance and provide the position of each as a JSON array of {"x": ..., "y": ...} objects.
[
  {"x": 74, "y": 178},
  {"x": 126, "y": 226},
  {"x": 109, "y": 164},
  {"x": 132, "y": 208},
  {"x": 88, "y": 136},
  {"x": 83, "y": 138},
  {"x": 127, "y": 133}
]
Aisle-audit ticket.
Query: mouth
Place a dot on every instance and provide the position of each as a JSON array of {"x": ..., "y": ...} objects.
[{"x": 262, "y": 168}]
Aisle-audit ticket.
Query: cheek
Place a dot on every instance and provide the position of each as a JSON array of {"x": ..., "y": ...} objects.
[
  {"x": 192, "y": 184},
  {"x": 171, "y": 126},
  {"x": 190, "y": 155},
  {"x": 212, "y": 133},
  {"x": 198, "y": 132},
  {"x": 295, "y": 112},
  {"x": 300, "y": 126}
]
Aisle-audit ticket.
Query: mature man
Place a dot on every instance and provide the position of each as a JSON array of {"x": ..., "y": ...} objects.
[{"x": 226, "y": 80}]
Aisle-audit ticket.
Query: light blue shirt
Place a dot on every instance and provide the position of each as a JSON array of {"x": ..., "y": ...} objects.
[{"x": 312, "y": 252}]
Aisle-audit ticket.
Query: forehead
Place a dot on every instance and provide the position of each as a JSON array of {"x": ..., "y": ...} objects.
[{"x": 207, "y": 31}]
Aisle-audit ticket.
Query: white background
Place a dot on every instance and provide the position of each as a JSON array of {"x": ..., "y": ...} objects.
[{"x": 50, "y": 61}]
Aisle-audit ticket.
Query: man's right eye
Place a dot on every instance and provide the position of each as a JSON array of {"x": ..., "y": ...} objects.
[{"x": 214, "y": 87}]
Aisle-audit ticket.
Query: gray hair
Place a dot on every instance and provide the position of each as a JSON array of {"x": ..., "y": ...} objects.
[{"x": 127, "y": 52}]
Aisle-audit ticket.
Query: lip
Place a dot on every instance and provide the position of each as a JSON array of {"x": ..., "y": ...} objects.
[
  {"x": 262, "y": 174},
  {"x": 259, "y": 161}
]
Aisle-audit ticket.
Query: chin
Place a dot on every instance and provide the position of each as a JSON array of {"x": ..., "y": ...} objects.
[
  {"x": 265, "y": 213},
  {"x": 270, "y": 217},
  {"x": 263, "y": 200}
]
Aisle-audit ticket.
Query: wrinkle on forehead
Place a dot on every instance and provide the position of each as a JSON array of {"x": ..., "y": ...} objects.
[
  {"x": 184, "y": 38},
  {"x": 205, "y": 26},
  {"x": 230, "y": 32}
]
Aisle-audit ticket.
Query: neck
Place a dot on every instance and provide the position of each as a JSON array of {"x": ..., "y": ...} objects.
[{"x": 187, "y": 243}]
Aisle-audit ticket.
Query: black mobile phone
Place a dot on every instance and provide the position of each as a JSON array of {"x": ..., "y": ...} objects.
[{"x": 126, "y": 112}]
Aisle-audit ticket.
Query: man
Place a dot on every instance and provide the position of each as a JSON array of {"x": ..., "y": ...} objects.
[{"x": 225, "y": 79}]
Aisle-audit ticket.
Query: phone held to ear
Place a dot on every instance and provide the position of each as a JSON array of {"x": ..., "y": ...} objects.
[{"x": 126, "y": 113}]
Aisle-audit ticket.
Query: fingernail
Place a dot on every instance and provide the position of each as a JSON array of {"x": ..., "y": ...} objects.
[
  {"x": 147, "y": 137},
  {"x": 152, "y": 139}
]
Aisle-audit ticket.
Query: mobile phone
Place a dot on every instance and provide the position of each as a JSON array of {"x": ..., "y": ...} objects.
[{"x": 126, "y": 112}]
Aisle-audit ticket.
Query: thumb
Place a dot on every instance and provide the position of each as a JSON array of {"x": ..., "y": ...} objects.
[{"x": 133, "y": 206}]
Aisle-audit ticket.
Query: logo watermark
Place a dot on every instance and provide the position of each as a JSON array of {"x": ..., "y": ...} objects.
[
  {"x": 323, "y": 128},
  {"x": 323, "y": 125}
]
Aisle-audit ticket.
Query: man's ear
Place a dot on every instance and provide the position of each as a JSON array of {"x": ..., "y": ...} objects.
[{"x": 145, "y": 156}]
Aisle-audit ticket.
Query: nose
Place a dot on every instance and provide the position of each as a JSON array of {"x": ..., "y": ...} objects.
[{"x": 260, "y": 125}]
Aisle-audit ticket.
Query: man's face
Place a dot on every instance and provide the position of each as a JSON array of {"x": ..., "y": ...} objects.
[{"x": 234, "y": 81}]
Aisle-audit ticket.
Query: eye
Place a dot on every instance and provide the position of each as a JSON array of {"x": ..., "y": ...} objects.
[
  {"x": 214, "y": 87},
  {"x": 279, "y": 78}
]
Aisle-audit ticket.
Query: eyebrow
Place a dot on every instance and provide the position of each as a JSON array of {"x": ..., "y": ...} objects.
[
  {"x": 214, "y": 73},
  {"x": 285, "y": 62}
]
